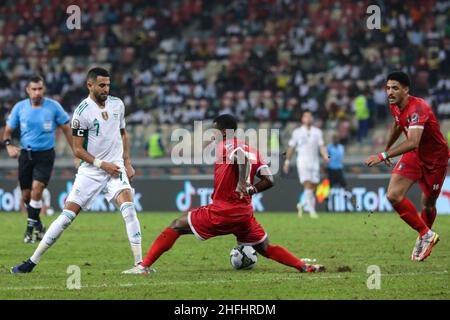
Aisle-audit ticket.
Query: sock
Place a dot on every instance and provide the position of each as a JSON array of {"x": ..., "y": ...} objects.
[
  {"x": 35, "y": 207},
  {"x": 283, "y": 256},
  {"x": 133, "y": 229},
  {"x": 53, "y": 233},
  {"x": 163, "y": 243},
  {"x": 408, "y": 213},
  {"x": 310, "y": 200},
  {"x": 428, "y": 218}
]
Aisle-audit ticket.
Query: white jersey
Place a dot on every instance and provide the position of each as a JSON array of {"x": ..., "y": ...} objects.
[
  {"x": 101, "y": 129},
  {"x": 306, "y": 143}
]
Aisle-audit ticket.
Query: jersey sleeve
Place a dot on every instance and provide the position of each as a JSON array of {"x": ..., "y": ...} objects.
[
  {"x": 293, "y": 140},
  {"x": 61, "y": 116},
  {"x": 320, "y": 138},
  {"x": 13, "y": 118},
  {"x": 418, "y": 116},
  {"x": 79, "y": 125},
  {"x": 122, "y": 116}
]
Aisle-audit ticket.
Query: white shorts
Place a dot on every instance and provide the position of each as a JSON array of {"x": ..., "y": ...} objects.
[
  {"x": 90, "y": 182},
  {"x": 308, "y": 174}
]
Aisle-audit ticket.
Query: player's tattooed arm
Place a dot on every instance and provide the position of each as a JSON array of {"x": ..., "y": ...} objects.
[
  {"x": 80, "y": 152},
  {"x": 126, "y": 154}
]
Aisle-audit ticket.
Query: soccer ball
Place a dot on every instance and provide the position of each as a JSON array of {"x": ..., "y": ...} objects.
[{"x": 243, "y": 257}]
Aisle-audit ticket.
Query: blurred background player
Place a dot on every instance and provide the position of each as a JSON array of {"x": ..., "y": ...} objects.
[
  {"x": 424, "y": 160},
  {"x": 307, "y": 140},
  {"x": 37, "y": 118},
  {"x": 231, "y": 211},
  {"x": 47, "y": 208},
  {"x": 100, "y": 141}
]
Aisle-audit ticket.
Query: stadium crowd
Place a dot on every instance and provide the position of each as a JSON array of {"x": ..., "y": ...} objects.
[{"x": 262, "y": 60}]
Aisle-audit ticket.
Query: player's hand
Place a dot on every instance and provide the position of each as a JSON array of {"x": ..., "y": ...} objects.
[
  {"x": 373, "y": 160},
  {"x": 111, "y": 168},
  {"x": 13, "y": 151},
  {"x": 130, "y": 171},
  {"x": 245, "y": 189},
  {"x": 326, "y": 161}
]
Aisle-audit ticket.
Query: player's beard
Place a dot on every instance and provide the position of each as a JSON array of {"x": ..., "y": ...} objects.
[
  {"x": 101, "y": 97},
  {"x": 37, "y": 101}
]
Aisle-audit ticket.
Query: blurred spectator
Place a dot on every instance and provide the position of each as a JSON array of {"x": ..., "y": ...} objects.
[
  {"x": 362, "y": 114},
  {"x": 154, "y": 147}
]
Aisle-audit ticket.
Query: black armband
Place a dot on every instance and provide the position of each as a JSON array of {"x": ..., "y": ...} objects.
[{"x": 80, "y": 132}]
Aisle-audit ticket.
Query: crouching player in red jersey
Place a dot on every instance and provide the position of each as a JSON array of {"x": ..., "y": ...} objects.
[
  {"x": 424, "y": 160},
  {"x": 231, "y": 211}
]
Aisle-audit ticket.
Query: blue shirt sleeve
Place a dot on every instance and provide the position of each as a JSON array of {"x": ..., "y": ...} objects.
[
  {"x": 61, "y": 116},
  {"x": 13, "y": 118}
]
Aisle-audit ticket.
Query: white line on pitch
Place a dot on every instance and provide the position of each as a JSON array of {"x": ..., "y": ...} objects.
[{"x": 177, "y": 283}]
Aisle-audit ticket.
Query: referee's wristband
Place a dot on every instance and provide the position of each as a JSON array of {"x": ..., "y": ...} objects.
[
  {"x": 286, "y": 162},
  {"x": 383, "y": 156},
  {"x": 97, "y": 162}
]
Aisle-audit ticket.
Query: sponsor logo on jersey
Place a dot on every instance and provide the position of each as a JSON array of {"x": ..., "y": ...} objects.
[
  {"x": 116, "y": 116},
  {"x": 105, "y": 115}
]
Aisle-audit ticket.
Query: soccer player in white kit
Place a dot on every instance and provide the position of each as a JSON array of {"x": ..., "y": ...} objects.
[
  {"x": 307, "y": 140},
  {"x": 100, "y": 141}
]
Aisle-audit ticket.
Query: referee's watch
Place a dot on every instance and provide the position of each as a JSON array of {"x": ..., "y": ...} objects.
[{"x": 7, "y": 142}]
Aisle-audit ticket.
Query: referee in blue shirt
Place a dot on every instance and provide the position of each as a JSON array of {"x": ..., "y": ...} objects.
[
  {"x": 335, "y": 168},
  {"x": 37, "y": 119}
]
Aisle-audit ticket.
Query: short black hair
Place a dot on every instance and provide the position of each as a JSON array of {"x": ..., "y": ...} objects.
[
  {"x": 35, "y": 78},
  {"x": 96, "y": 72},
  {"x": 226, "y": 121},
  {"x": 399, "y": 76}
]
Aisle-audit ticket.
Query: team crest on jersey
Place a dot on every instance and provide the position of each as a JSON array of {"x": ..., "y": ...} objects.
[
  {"x": 105, "y": 115},
  {"x": 414, "y": 118},
  {"x": 76, "y": 123}
]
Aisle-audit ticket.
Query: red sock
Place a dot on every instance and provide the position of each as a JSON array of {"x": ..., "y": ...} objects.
[
  {"x": 429, "y": 218},
  {"x": 283, "y": 256},
  {"x": 408, "y": 213},
  {"x": 163, "y": 243}
]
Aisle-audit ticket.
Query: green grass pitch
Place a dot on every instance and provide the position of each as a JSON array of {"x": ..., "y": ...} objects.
[{"x": 345, "y": 243}]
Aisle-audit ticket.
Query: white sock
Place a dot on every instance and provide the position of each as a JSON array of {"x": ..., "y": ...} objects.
[
  {"x": 310, "y": 200},
  {"x": 133, "y": 229},
  {"x": 53, "y": 233}
]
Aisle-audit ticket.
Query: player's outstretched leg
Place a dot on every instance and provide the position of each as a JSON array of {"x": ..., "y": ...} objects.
[
  {"x": 285, "y": 257},
  {"x": 53, "y": 233},
  {"x": 398, "y": 186},
  {"x": 162, "y": 244}
]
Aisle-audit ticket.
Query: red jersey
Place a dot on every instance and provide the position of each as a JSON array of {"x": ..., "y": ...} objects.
[
  {"x": 226, "y": 201},
  {"x": 433, "y": 149}
]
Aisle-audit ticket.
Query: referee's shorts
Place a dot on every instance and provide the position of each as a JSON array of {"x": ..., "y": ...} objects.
[{"x": 35, "y": 165}]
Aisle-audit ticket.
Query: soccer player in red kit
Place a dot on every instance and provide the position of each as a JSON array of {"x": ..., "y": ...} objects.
[
  {"x": 424, "y": 160},
  {"x": 231, "y": 211}
]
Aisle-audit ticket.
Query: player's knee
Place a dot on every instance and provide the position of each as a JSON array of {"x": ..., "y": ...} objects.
[
  {"x": 394, "y": 197},
  {"x": 180, "y": 225}
]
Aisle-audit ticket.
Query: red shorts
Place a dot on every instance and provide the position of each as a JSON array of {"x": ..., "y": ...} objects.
[
  {"x": 430, "y": 179},
  {"x": 205, "y": 223}
]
